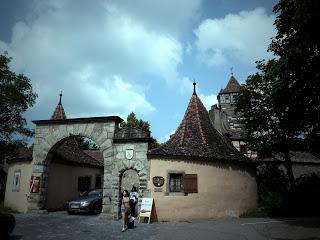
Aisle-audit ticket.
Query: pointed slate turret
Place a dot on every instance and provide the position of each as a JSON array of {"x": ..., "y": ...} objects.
[
  {"x": 196, "y": 138},
  {"x": 59, "y": 113},
  {"x": 233, "y": 86}
]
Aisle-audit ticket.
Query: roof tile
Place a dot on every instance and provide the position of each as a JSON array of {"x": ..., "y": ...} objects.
[
  {"x": 232, "y": 86},
  {"x": 196, "y": 137}
]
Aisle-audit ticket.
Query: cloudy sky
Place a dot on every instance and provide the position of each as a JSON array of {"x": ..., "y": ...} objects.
[{"x": 114, "y": 57}]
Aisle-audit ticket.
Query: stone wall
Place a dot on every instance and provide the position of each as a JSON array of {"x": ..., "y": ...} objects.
[
  {"x": 49, "y": 136},
  {"x": 125, "y": 156},
  {"x": 119, "y": 157}
]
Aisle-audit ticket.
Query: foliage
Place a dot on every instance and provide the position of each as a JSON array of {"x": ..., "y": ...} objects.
[
  {"x": 16, "y": 96},
  {"x": 154, "y": 143},
  {"x": 297, "y": 45},
  {"x": 256, "y": 104},
  {"x": 4, "y": 209},
  {"x": 307, "y": 195},
  {"x": 276, "y": 198},
  {"x": 281, "y": 102},
  {"x": 86, "y": 143},
  {"x": 258, "y": 212},
  {"x": 133, "y": 121},
  {"x": 273, "y": 190},
  {"x": 268, "y": 124}
]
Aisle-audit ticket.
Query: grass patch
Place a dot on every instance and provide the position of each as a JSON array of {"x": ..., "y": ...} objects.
[
  {"x": 258, "y": 212},
  {"x": 4, "y": 209}
]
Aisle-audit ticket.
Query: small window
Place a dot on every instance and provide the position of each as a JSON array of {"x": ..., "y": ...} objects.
[
  {"x": 175, "y": 182},
  {"x": 16, "y": 181},
  {"x": 183, "y": 183},
  {"x": 84, "y": 183}
]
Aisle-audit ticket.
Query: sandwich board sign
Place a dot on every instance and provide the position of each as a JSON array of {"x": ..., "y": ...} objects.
[{"x": 146, "y": 208}]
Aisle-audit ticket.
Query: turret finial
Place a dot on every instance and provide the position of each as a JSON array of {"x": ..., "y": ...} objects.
[
  {"x": 60, "y": 97},
  {"x": 231, "y": 69},
  {"x": 194, "y": 87}
]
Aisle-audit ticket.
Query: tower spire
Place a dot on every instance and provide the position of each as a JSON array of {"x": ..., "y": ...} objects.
[
  {"x": 194, "y": 87},
  {"x": 60, "y": 98},
  {"x": 59, "y": 113}
]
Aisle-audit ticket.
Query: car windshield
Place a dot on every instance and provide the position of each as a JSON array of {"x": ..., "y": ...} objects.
[{"x": 92, "y": 193}]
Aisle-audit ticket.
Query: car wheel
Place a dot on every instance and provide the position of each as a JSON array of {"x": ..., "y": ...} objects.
[{"x": 96, "y": 209}]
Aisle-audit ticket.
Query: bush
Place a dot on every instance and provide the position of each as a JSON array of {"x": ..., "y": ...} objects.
[
  {"x": 275, "y": 198},
  {"x": 4, "y": 209},
  {"x": 272, "y": 190},
  {"x": 306, "y": 198},
  {"x": 259, "y": 212}
]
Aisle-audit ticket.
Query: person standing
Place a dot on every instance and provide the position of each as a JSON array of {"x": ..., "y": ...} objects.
[
  {"x": 133, "y": 200},
  {"x": 125, "y": 209}
]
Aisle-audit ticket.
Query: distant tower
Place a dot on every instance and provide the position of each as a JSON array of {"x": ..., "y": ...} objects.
[
  {"x": 224, "y": 118},
  {"x": 59, "y": 113},
  {"x": 226, "y": 96}
]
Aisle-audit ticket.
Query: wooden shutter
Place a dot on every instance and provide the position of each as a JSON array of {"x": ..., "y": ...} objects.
[{"x": 190, "y": 183}]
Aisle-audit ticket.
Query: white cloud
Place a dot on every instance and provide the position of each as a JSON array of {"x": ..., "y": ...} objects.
[
  {"x": 208, "y": 100},
  {"x": 172, "y": 17},
  {"x": 243, "y": 37},
  {"x": 97, "y": 52}
]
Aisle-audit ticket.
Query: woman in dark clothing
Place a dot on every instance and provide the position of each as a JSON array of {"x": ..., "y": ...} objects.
[{"x": 133, "y": 200}]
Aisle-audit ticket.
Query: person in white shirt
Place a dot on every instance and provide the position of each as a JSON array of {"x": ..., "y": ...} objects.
[{"x": 133, "y": 200}]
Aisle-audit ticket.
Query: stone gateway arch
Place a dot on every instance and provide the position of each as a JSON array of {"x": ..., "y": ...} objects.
[{"x": 122, "y": 149}]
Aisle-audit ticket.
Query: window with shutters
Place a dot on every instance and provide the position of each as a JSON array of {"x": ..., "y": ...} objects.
[
  {"x": 190, "y": 183},
  {"x": 180, "y": 183},
  {"x": 175, "y": 182}
]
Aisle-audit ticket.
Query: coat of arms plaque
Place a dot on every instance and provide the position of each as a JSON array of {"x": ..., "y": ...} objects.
[{"x": 158, "y": 181}]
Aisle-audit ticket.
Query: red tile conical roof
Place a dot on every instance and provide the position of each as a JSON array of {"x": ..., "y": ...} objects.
[
  {"x": 196, "y": 138},
  {"x": 233, "y": 86},
  {"x": 59, "y": 113}
]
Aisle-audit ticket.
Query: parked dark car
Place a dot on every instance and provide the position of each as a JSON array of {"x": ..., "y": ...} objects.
[
  {"x": 7, "y": 224},
  {"x": 88, "y": 202}
]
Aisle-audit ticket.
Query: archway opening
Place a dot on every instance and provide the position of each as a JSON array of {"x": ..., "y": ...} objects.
[
  {"x": 128, "y": 179},
  {"x": 74, "y": 165}
]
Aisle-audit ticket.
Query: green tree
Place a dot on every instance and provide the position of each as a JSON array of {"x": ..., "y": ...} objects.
[
  {"x": 281, "y": 103},
  {"x": 132, "y": 121},
  {"x": 16, "y": 96},
  {"x": 85, "y": 143},
  {"x": 297, "y": 43},
  {"x": 269, "y": 128}
]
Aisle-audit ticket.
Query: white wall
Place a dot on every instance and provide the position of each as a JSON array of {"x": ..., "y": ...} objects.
[{"x": 16, "y": 199}]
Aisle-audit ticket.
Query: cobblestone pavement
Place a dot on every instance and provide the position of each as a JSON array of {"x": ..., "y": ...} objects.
[{"x": 59, "y": 225}]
